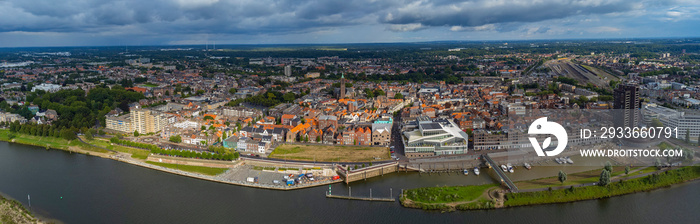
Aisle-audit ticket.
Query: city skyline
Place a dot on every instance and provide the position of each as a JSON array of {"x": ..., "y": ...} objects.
[{"x": 176, "y": 22}]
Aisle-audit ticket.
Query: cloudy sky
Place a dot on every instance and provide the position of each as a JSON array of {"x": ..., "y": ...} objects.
[{"x": 176, "y": 22}]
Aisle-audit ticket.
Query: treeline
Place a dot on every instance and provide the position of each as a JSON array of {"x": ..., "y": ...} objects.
[
  {"x": 670, "y": 71},
  {"x": 76, "y": 109},
  {"x": 42, "y": 130},
  {"x": 218, "y": 153},
  {"x": 416, "y": 77},
  {"x": 198, "y": 155},
  {"x": 271, "y": 98}
]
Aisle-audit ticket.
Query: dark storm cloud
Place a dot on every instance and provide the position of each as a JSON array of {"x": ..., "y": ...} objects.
[
  {"x": 224, "y": 16},
  {"x": 284, "y": 16},
  {"x": 481, "y": 12}
]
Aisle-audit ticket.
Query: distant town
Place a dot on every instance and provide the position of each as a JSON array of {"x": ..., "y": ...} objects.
[{"x": 214, "y": 97}]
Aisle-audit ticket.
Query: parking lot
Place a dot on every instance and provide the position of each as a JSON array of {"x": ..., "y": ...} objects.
[{"x": 267, "y": 176}]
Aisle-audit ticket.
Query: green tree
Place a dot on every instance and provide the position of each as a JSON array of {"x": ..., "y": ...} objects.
[
  {"x": 627, "y": 170},
  {"x": 604, "y": 178},
  {"x": 398, "y": 96},
  {"x": 176, "y": 139},
  {"x": 289, "y": 97},
  {"x": 608, "y": 167},
  {"x": 136, "y": 134},
  {"x": 67, "y": 134},
  {"x": 318, "y": 138},
  {"x": 562, "y": 176},
  {"x": 203, "y": 128},
  {"x": 687, "y": 135},
  {"x": 656, "y": 123},
  {"x": 232, "y": 90},
  {"x": 90, "y": 134},
  {"x": 208, "y": 118}
]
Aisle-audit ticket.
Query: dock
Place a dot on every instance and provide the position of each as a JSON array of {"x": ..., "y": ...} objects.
[
  {"x": 350, "y": 197},
  {"x": 361, "y": 198}
]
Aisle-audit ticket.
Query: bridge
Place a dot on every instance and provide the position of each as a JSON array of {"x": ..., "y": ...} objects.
[{"x": 505, "y": 180}]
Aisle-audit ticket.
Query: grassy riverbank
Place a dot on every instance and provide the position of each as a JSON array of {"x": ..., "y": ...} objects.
[
  {"x": 12, "y": 211},
  {"x": 194, "y": 169},
  {"x": 135, "y": 153},
  {"x": 478, "y": 197},
  {"x": 651, "y": 182},
  {"x": 448, "y": 198},
  {"x": 573, "y": 179},
  {"x": 48, "y": 142}
]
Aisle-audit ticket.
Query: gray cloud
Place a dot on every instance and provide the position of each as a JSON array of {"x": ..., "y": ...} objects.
[
  {"x": 475, "y": 13},
  {"x": 254, "y": 17},
  {"x": 182, "y": 16}
]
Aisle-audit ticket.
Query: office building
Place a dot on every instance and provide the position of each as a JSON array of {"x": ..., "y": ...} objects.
[
  {"x": 626, "y": 105},
  {"x": 434, "y": 138}
]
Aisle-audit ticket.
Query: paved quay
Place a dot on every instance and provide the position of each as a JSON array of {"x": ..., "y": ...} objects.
[{"x": 235, "y": 176}]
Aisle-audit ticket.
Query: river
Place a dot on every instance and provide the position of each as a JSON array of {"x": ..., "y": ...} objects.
[{"x": 75, "y": 188}]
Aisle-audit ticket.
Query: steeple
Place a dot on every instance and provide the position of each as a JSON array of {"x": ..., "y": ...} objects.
[{"x": 342, "y": 87}]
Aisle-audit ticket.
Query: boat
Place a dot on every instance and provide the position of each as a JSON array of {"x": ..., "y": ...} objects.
[
  {"x": 466, "y": 172},
  {"x": 504, "y": 168},
  {"x": 527, "y": 166},
  {"x": 476, "y": 171},
  {"x": 558, "y": 160},
  {"x": 569, "y": 161}
]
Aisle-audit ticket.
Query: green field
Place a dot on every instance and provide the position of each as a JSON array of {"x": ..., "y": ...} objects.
[
  {"x": 572, "y": 179},
  {"x": 330, "y": 153},
  {"x": 447, "y": 194},
  {"x": 50, "y": 142},
  {"x": 135, "y": 153},
  {"x": 194, "y": 169}
]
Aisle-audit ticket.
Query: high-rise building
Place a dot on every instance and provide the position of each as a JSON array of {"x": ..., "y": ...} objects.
[
  {"x": 288, "y": 70},
  {"x": 342, "y": 86},
  {"x": 147, "y": 121},
  {"x": 626, "y": 104}
]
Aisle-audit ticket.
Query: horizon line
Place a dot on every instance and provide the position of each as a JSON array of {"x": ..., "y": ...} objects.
[{"x": 370, "y": 43}]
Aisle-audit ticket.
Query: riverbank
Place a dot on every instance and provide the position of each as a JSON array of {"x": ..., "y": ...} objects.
[
  {"x": 53, "y": 143},
  {"x": 101, "y": 148},
  {"x": 12, "y": 211},
  {"x": 659, "y": 179},
  {"x": 450, "y": 197},
  {"x": 447, "y": 198}
]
